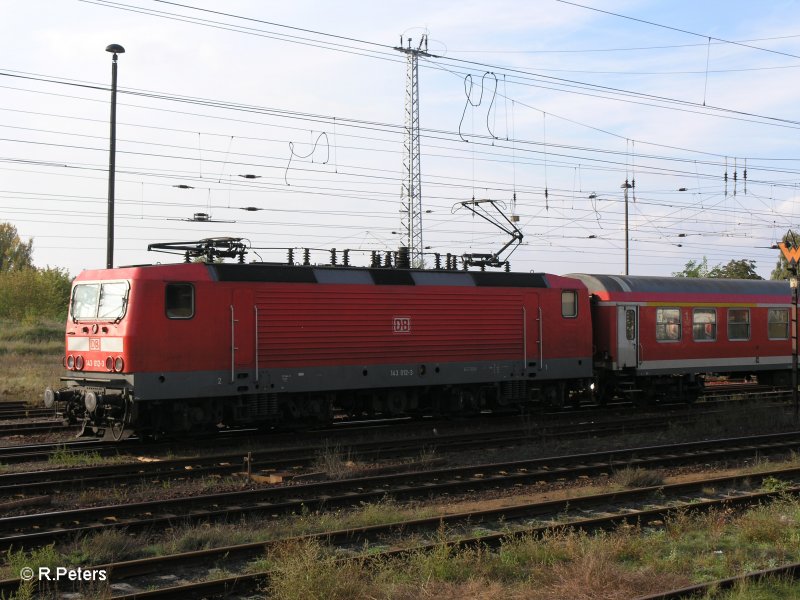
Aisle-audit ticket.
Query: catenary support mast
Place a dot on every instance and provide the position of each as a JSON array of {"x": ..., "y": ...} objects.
[{"x": 412, "y": 184}]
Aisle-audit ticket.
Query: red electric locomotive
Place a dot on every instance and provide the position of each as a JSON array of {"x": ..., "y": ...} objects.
[
  {"x": 185, "y": 347},
  {"x": 659, "y": 336}
]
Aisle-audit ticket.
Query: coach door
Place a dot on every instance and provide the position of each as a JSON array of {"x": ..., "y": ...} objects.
[
  {"x": 627, "y": 336},
  {"x": 242, "y": 336}
]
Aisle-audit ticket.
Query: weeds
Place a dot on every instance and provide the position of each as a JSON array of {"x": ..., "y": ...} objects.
[
  {"x": 61, "y": 457},
  {"x": 307, "y": 571},
  {"x": 333, "y": 462},
  {"x": 638, "y": 478},
  {"x": 774, "y": 484},
  {"x": 109, "y": 545},
  {"x": 46, "y": 556},
  {"x": 773, "y": 588}
]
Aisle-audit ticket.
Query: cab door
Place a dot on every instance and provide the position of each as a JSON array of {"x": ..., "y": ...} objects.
[{"x": 627, "y": 336}]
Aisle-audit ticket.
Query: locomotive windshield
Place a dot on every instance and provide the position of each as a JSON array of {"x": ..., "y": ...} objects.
[{"x": 104, "y": 301}]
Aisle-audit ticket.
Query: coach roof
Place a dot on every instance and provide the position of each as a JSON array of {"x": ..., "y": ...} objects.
[{"x": 681, "y": 285}]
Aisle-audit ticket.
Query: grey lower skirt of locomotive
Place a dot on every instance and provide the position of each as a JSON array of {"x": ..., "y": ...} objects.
[{"x": 107, "y": 407}]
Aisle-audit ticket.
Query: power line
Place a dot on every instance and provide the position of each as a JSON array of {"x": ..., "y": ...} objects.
[
  {"x": 527, "y": 73},
  {"x": 702, "y": 35},
  {"x": 629, "y": 49}
]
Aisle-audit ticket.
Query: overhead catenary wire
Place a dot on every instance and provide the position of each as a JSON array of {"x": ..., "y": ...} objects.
[{"x": 501, "y": 154}]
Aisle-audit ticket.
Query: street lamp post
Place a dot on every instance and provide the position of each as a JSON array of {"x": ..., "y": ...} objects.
[{"x": 114, "y": 49}]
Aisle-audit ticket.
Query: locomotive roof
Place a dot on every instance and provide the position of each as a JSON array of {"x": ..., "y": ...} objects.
[
  {"x": 682, "y": 285},
  {"x": 373, "y": 276},
  {"x": 328, "y": 274}
]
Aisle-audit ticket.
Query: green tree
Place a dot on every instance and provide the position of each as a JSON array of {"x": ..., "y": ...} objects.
[
  {"x": 694, "y": 269},
  {"x": 735, "y": 269},
  {"x": 15, "y": 255},
  {"x": 781, "y": 270},
  {"x": 29, "y": 294}
]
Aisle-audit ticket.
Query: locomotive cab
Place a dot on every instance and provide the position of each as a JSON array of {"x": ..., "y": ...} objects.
[{"x": 97, "y": 357}]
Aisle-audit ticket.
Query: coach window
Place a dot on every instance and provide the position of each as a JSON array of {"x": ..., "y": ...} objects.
[
  {"x": 738, "y": 324},
  {"x": 704, "y": 324},
  {"x": 778, "y": 323},
  {"x": 569, "y": 304},
  {"x": 179, "y": 300},
  {"x": 630, "y": 324},
  {"x": 668, "y": 324}
]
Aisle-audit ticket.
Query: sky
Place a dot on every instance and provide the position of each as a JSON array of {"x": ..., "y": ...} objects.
[{"x": 545, "y": 107}]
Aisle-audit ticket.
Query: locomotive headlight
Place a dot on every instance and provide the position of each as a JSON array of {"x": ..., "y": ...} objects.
[
  {"x": 90, "y": 401},
  {"x": 109, "y": 364},
  {"x": 119, "y": 364},
  {"x": 591, "y": 386},
  {"x": 70, "y": 362},
  {"x": 79, "y": 363}
]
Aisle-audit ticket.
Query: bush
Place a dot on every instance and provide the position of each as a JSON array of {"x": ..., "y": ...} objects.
[{"x": 32, "y": 294}]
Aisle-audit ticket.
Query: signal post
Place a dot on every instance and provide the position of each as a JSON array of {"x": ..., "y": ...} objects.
[{"x": 791, "y": 251}]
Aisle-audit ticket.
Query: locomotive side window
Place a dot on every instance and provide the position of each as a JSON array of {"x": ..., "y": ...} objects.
[
  {"x": 704, "y": 324},
  {"x": 179, "y": 300},
  {"x": 778, "y": 323},
  {"x": 668, "y": 324},
  {"x": 103, "y": 301},
  {"x": 569, "y": 304},
  {"x": 738, "y": 323}
]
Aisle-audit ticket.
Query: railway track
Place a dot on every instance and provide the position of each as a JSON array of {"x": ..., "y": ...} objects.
[
  {"x": 25, "y": 412},
  {"x": 54, "y": 425},
  {"x": 42, "y": 452},
  {"x": 615, "y": 508},
  {"x": 588, "y": 423},
  {"x": 41, "y": 528},
  {"x": 791, "y": 571},
  {"x": 106, "y": 476}
]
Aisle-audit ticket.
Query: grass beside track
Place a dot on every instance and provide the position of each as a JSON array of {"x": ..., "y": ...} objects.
[
  {"x": 30, "y": 358},
  {"x": 622, "y": 564}
]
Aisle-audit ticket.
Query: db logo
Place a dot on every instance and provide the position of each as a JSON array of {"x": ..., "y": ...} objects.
[
  {"x": 401, "y": 324},
  {"x": 94, "y": 344}
]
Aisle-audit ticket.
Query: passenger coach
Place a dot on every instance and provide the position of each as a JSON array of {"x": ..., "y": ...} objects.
[{"x": 655, "y": 336}]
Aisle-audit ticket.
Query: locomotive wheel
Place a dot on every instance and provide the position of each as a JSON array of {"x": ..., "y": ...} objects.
[
  {"x": 116, "y": 433},
  {"x": 554, "y": 395},
  {"x": 605, "y": 392},
  {"x": 396, "y": 403}
]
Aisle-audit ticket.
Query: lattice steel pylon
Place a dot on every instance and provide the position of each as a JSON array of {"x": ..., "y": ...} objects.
[{"x": 412, "y": 183}]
